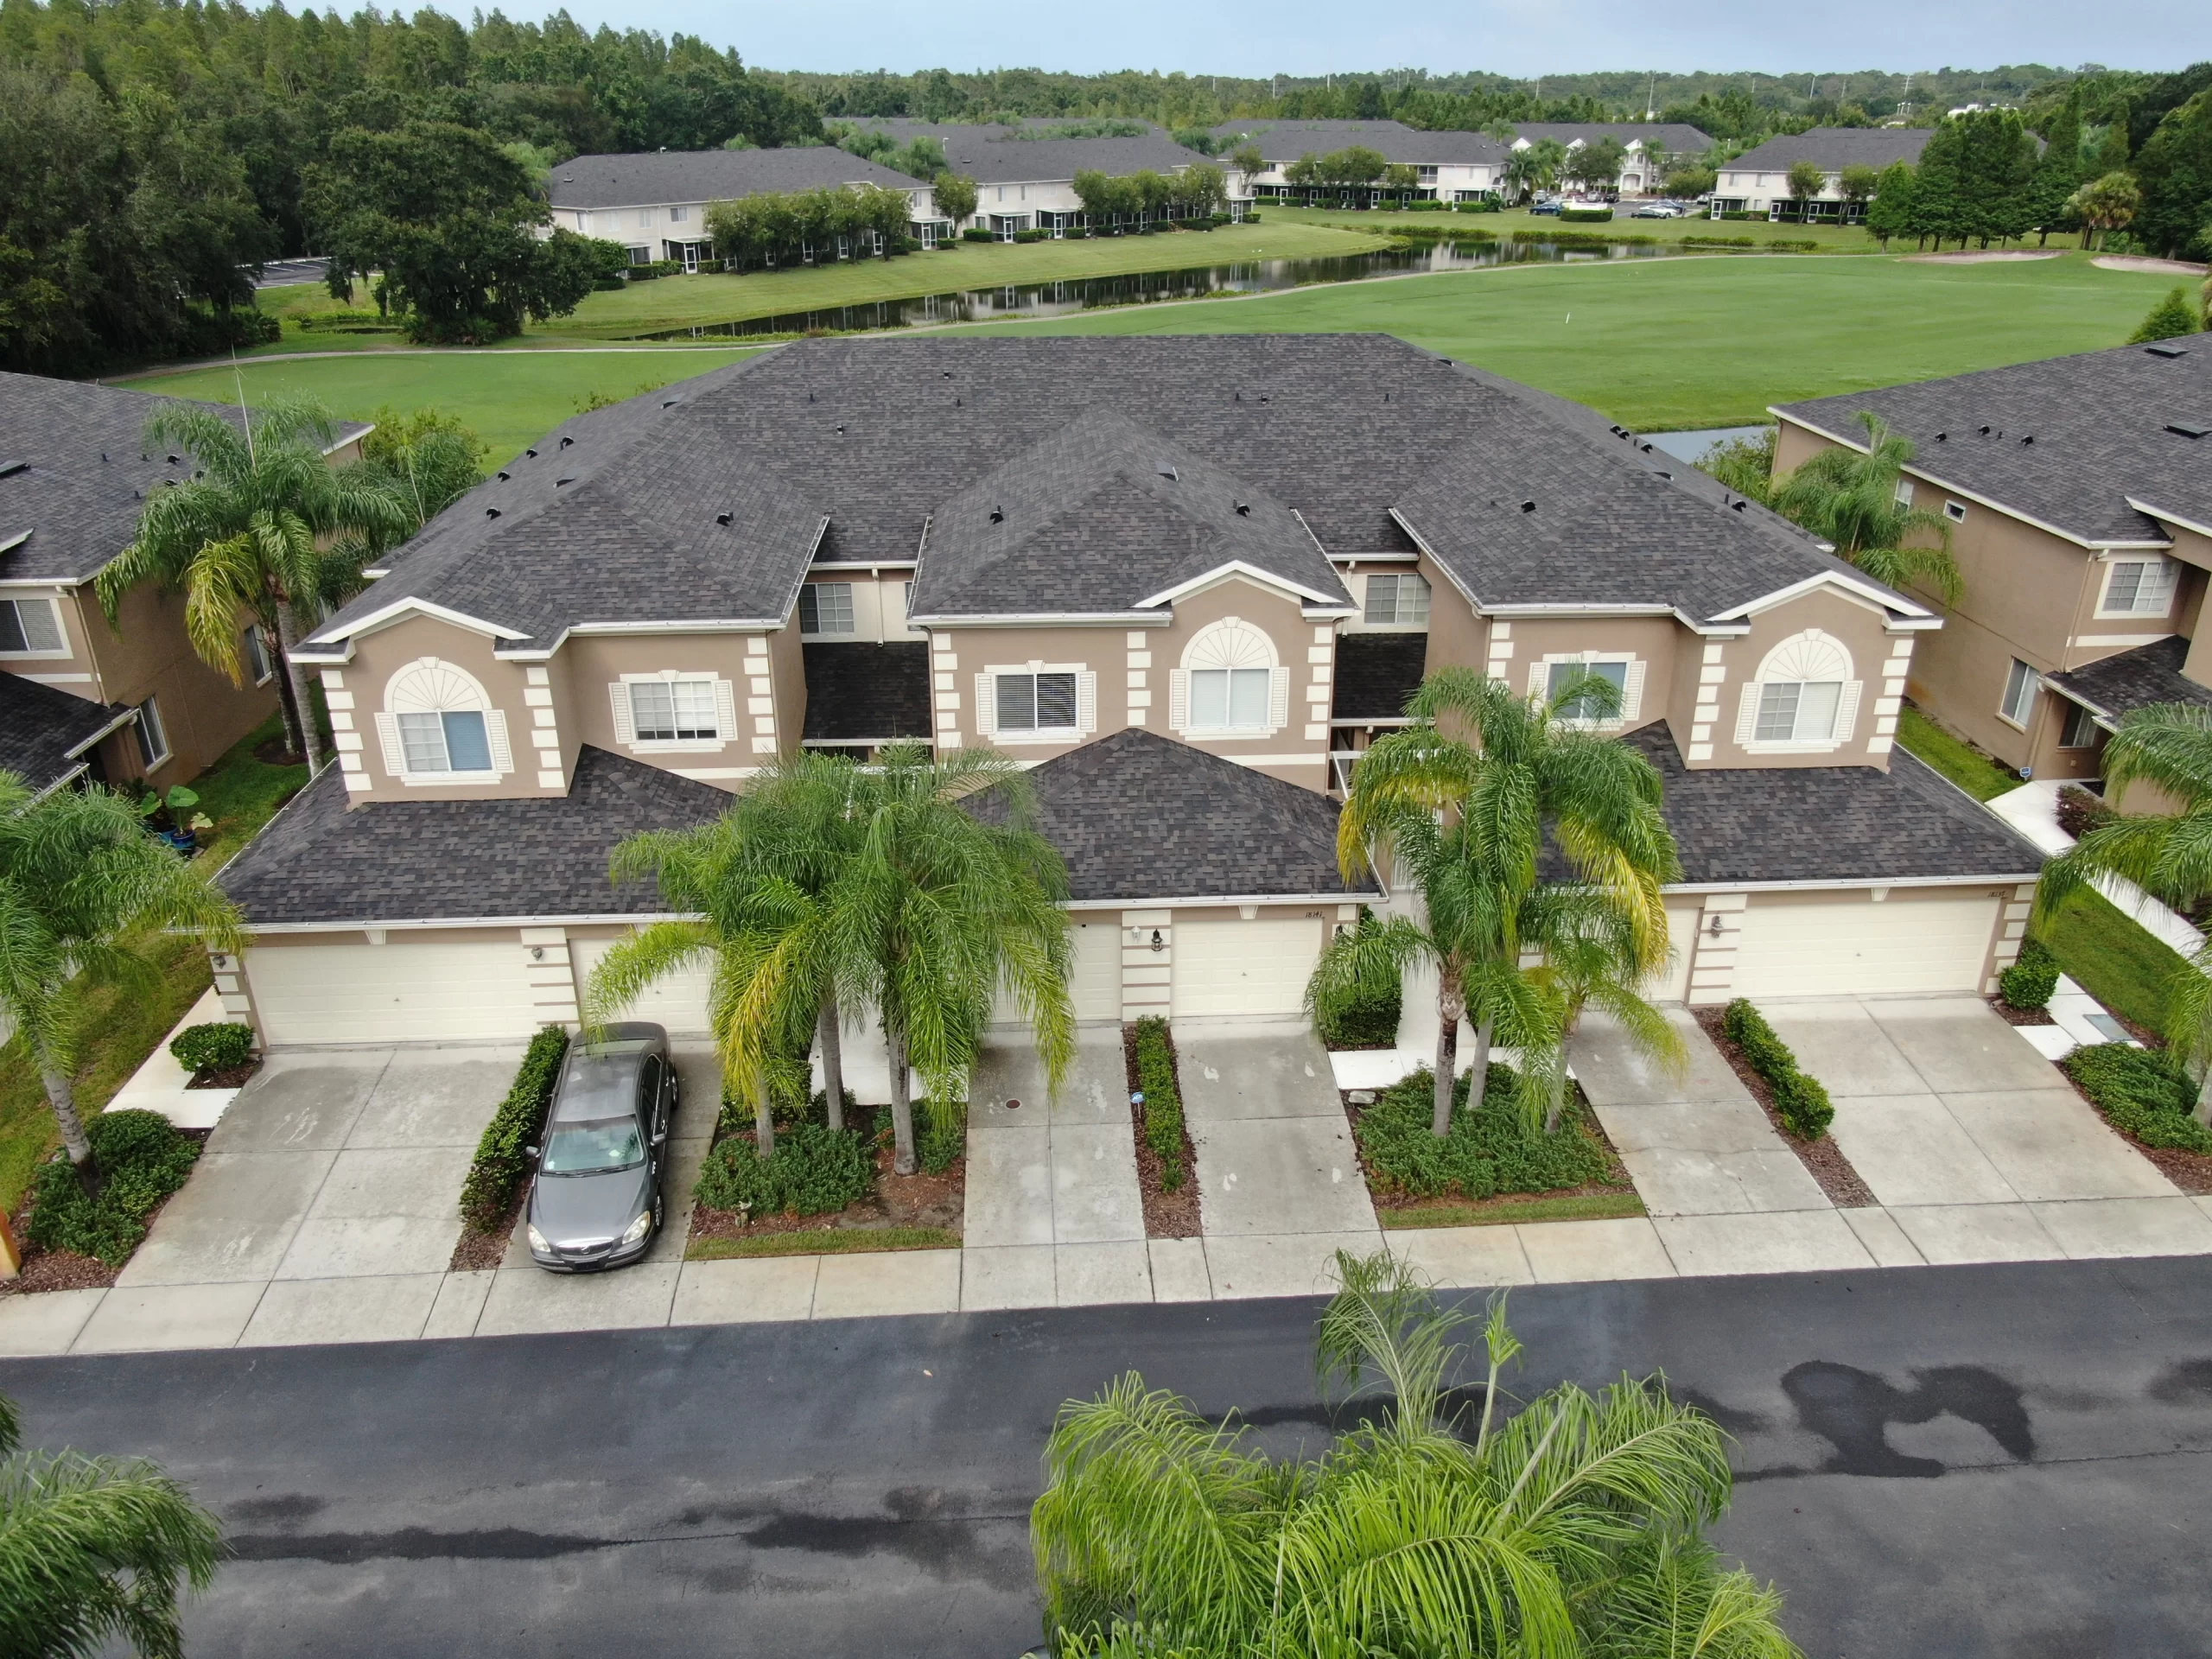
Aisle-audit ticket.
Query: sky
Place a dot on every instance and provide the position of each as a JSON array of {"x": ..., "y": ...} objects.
[{"x": 1513, "y": 37}]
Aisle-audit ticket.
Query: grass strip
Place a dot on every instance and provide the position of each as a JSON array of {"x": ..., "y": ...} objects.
[
  {"x": 841, "y": 1240},
  {"x": 2114, "y": 957},
  {"x": 1496, "y": 1212},
  {"x": 1979, "y": 775}
]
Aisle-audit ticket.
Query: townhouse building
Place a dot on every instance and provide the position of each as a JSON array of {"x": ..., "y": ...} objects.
[
  {"x": 1181, "y": 580},
  {"x": 2078, "y": 491},
  {"x": 1647, "y": 146},
  {"x": 1757, "y": 182},
  {"x": 1451, "y": 167}
]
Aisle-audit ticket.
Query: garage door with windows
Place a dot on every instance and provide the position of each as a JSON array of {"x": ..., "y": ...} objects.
[
  {"x": 1236, "y": 967},
  {"x": 1852, "y": 946},
  {"x": 402, "y": 992}
]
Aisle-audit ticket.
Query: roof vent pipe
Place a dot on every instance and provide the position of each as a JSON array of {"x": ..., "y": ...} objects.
[
  {"x": 1528, "y": 506},
  {"x": 997, "y": 515}
]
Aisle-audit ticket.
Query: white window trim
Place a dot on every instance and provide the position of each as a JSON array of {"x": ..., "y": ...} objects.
[
  {"x": 987, "y": 703},
  {"x": 1539, "y": 685},
  {"x": 1395, "y": 577},
  {"x": 161, "y": 729},
  {"x": 626, "y": 731},
  {"x": 495, "y": 732},
  {"x": 852, "y": 601},
  {"x": 2035, "y": 690},
  {"x": 1178, "y": 687},
  {"x": 268, "y": 657},
  {"x": 2166, "y": 574},
  {"x": 60, "y": 654},
  {"x": 1846, "y": 707},
  {"x": 1955, "y": 511}
]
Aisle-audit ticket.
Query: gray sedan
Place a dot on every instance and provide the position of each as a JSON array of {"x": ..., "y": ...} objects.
[{"x": 597, "y": 1199}]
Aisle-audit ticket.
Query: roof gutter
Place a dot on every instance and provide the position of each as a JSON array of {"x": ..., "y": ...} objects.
[
  {"x": 2143, "y": 507},
  {"x": 116, "y": 724},
  {"x": 1852, "y": 883}
]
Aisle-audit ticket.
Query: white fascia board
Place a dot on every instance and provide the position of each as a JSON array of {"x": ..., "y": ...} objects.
[
  {"x": 334, "y": 657},
  {"x": 1450, "y": 575},
  {"x": 119, "y": 722},
  {"x": 10, "y": 542},
  {"x": 1251, "y": 572},
  {"x": 402, "y": 608},
  {"x": 1860, "y": 588},
  {"x": 547, "y": 651},
  {"x": 63, "y": 781},
  {"x": 1045, "y": 620},
  {"x": 419, "y": 924},
  {"x": 1854, "y": 883},
  {"x": 1210, "y": 901},
  {"x": 2143, "y": 507},
  {"x": 1941, "y": 483},
  {"x": 870, "y": 565},
  {"x": 367, "y": 427}
]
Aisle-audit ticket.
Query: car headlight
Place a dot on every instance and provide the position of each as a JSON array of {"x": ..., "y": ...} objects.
[
  {"x": 538, "y": 1241},
  {"x": 638, "y": 1228}
]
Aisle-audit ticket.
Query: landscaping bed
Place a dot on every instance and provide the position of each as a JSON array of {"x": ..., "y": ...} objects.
[
  {"x": 1167, "y": 1161},
  {"x": 80, "y": 1243},
  {"x": 1822, "y": 1158},
  {"x": 2148, "y": 1103}
]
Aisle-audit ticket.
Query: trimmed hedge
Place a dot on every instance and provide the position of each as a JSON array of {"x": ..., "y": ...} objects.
[
  {"x": 213, "y": 1047},
  {"x": 2029, "y": 982},
  {"x": 1163, "y": 1100},
  {"x": 1487, "y": 1152},
  {"x": 1586, "y": 215},
  {"x": 2142, "y": 1094},
  {"x": 2079, "y": 811},
  {"x": 497, "y": 1171},
  {"x": 814, "y": 1170},
  {"x": 940, "y": 1132},
  {"x": 141, "y": 1159},
  {"x": 1800, "y": 1101}
]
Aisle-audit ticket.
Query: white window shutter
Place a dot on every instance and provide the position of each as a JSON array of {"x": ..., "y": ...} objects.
[
  {"x": 1632, "y": 692},
  {"x": 1846, "y": 711},
  {"x": 1539, "y": 678},
  {"x": 1178, "y": 699},
  {"x": 987, "y": 705},
  {"x": 1279, "y": 698},
  {"x": 395, "y": 753},
  {"x": 1086, "y": 702},
  {"x": 725, "y": 709},
  {"x": 626, "y": 729},
  {"x": 1747, "y": 717},
  {"x": 495, "y": 728}
]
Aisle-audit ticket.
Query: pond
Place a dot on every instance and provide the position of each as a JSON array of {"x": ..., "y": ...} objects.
[{"x": 1151, "y": 287}]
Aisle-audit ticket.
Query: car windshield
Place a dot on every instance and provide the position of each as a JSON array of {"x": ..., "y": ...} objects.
[{"x": 594, "y": 1147}]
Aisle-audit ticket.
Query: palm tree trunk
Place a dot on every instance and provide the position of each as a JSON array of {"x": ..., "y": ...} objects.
[
  {"x": 1450, "y": 1006},
  {"x": 764, "y": 1115},
  {"x": 1478, "y": 1072},
  {"x": 288, "y": 636},
  {"x": 902, "y": 1109},
  {"x": 288, "y": 706},
  {"x": 2203, "y": 1112},
  {"x": 833, "y": 1062},
  {"x": 61, "y": 1095}
]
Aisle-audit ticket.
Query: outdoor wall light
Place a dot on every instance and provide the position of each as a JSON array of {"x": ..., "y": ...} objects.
[
  {"x": 1157, "y": 943},
  {"x": 1713, "y": 927},
  {"x": 538, "y": 953}
]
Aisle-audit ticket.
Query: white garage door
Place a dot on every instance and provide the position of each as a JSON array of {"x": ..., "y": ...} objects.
[
  {"x": 1258, "y": 967},
  {"x": 676, "y": 1001},
  {"x": 1672, "y": 982},
  {"x": 1858, "y": 947},
  {"x": 397, "y": 993},
  {"x": 1094, "y": 976}
]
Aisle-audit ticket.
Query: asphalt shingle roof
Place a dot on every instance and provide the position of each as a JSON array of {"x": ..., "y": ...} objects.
[
  {"x": 43, "y": 730},
  {"x": 694, "y": 175},
  {"x": 1375, "y": 673},
  {"x": 84, "y": 473},
  {"x": 1287, "y": 141},
  {"x": 1000, "y": 154},
  {"x": 1137, "y": 816},
  {"x": 2115, "y": 685},
  {"x": 2067, "y": 440},
  {"x": 1828, "y": 823},
  {"x": 864, "y": 693},
  {"x": 1675, "y": 137},
  {"x": 1834, "y": 148},
  {"x": 438, "y": 860}
]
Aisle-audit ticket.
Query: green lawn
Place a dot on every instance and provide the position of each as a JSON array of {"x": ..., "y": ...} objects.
[
  {"x": 1830, "y": 236},
  {"x": 510, "y": 398},
  {"x": 1975, "y": 773},
  {"x": 1662, "y": 344},
  {"x": 2113, "y": 957},
  {"x": 828, "y": 1241}
]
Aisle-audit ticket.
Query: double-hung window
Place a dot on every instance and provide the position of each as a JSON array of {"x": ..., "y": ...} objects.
[
  {"x": 2081, "y": 731},
  {"x": 826, "y": 607},
  {"x": 1231, "y": 699},
  {"x": 1397, "y": 601},
  {"x": 1798, "y": 711},
  {"x": 455, "y": 741},
  {"x": 29, "y": 626},
  {"x": 153, "y": 736},
  {"x": 1587, "y": 706},
  {"x": 2138, "y": 588},
  {"x": 1035, "y": 703},
  {"x": 256, "y": 654},
  {"x": 2021, "y": 683},
  {"x": 674, "y": 711}
]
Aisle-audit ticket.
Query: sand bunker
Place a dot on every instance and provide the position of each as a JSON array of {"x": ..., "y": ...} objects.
[
  {"x": 2132, "y": 261},
  {"x": 1989, "y": 258}
]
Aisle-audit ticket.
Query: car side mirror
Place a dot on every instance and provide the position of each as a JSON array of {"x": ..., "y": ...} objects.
[
  {"x": 530, "y": 1151},
  {"x": 659, "y": 1137}
]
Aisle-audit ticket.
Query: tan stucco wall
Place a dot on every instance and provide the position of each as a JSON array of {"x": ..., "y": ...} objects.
[
  {"x": 787, "y": 679},
  {"x": 1457, "y": 637},
  {"x": 879, "y": 609},
  {"x": 595, "y": 662},
  {"x": 146, "y": 654},
  {"x": 1861, "y": 630},
  {"x": 1657, "y": 642},
  {"x": 378, "y": 656}
]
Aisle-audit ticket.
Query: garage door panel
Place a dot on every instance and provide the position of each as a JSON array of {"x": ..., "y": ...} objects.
[
  {"x": 396, "y": 992},
  {"x": 1258, "y": 967},
  {"x": 1672, "y": 982},
  {"x": 1862, "y": 948},
  {"x": 678, "y": 1000},
  {"x": 1094, "y": 976}
]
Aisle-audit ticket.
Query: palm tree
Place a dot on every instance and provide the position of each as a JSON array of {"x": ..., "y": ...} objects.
[
  {"x": 1849, "y": 497},
  {"x": 265, "y": 527},
  {"x": 1464, "y": 822},
  {"x": 1591, "y": 957},
  {"x": 2106, "y": 205},
  {"x": 94, "y": 1550},
  {"x": 80, "y": 882},
  {"x": 1575, "y": 1526}
]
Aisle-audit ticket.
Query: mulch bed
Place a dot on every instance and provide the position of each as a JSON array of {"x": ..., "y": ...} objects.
[
  {"x": 65, "y": 1269},
  {"x": 1166, "y": 1214},
  {"x": 233, "y": 1078},
  {"x": 2012, "y": 1016},
  {"x": 1618, "y": 1185},
  {"x": 1822, "y": 1158},
  {"x": 275, "y": 752},
  {"x": 477, "y": 1252},
  {"x": 900, "y": 1201}
]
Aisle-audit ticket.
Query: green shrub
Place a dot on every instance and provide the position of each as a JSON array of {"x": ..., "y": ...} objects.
[
  {"x": 940, "y": 1132},
  {"x": 1163, "y": 1100},
  {"x": 2029, "y": 982},
  {"x": 1487, "y": 1152},
  {"x": 213, "y": 1047},
  {"x": 2143, "y": 1094},
  {"x": 814, "y": 1170},
  {"x": 141, "y": 1159},
  {"x": 501, "y": 1163},
  {"x": 1800, "y": 1101},
  {"x": 1585, "y": 215}
]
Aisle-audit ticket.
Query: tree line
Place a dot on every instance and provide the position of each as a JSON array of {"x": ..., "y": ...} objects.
[{"x": 777, "y": 228}]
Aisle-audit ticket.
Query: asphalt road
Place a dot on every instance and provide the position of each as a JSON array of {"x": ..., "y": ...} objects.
[{"x": 1992, "y": 1461}]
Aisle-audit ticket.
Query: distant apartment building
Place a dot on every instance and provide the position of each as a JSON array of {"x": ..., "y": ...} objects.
[
  {"x": 1648, "y": 146},
  {"x": 1757, "y": 182},
  {"x": 1451, "y": 166}
]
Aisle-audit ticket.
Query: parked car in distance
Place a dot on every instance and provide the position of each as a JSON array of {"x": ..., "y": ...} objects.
[
  {"x": 1545, "y": 204},
  {"x": 597, "y": 1198},
  {"x": 1658, "y": 210}
]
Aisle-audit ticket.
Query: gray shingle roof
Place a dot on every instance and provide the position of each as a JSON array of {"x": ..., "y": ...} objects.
[
  {"x": 692, "y": 175},
  {"x": 1137, "y": 816},
  {"x": 2067, "y": 441},
  {"x": 44, "y": 731},
  {"x": 1287, "y": 141},
  {"x": 436, "y": 861},
  {"x": 1815, "y": 823},
  {"x": 87, "y": 475},
  {"x": 864, "y": 694},
  {"x": 1836, "y": 148},
  {"x": 1375, "y": 673},
  {"x": 996, "y": 155},
  {"x": 2115, "y": 685},
  {"x": 1089, "y": 521},
  {"x": 1675, "y": 137}
]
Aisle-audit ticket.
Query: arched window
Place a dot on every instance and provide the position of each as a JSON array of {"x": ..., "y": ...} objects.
[
  {"x": 1230, "y": 684},
  {"x": 1804, "y": 700},
  {"x": 438, "y": 726}
]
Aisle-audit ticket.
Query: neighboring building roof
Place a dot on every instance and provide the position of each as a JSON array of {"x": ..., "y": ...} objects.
[
  {"x": 866, "y": 694},
  {"x": 534, "y": 856},
  {"x": 2128, "y": 680},
  {"x": 1675, "y": 137},
  {"x": 75, "y": 473},
  {"x": 44, "y": 731},
  {"x": 1000, "y": 154},
  {"x": 2090, "y": 445},
  {"x": 1141, "y": 816},
  {"x": 1829, "y": 823},
  {"x": 1287, "y": 141},
  {"x": 1375, "y": 673},
  {"x": 1833, "y": 149},
  {"x": 689, "y": 175}
]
